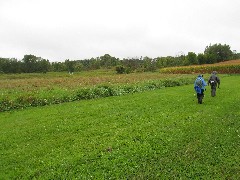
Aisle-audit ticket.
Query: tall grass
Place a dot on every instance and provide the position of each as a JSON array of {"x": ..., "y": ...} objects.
[{"x": 40, "y": 90}]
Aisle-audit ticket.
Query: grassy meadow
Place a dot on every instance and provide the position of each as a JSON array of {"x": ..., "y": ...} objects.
[
  {"x": 160, "y": 134},
  {"x": 19, "y": 91}
]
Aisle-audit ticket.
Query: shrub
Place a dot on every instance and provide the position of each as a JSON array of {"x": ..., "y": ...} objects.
[{"x": 120, "y": 69}]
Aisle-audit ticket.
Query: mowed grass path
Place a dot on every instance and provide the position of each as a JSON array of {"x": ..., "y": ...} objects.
[{"x": 158, "y": 134}]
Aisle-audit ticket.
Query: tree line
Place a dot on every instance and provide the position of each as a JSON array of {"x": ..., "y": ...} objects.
[{"x": 31, "y": 64}]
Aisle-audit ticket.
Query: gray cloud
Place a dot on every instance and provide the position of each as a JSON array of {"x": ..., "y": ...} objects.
[{"x": 78, "y": 29}]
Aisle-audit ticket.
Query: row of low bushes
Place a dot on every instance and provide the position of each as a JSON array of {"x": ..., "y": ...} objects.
[
  {"x": 24, "y": 101},
  {"x": 223, "y": 69}
]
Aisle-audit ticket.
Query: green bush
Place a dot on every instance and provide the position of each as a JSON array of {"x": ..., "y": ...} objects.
[{"x": 120, "y": 69}]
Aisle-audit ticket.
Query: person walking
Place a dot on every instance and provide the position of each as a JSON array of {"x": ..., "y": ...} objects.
[
  {"x": 214, "y": 81},
  {"x": 199, "y": 86}
]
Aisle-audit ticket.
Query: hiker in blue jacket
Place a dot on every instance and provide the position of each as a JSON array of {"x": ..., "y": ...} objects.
[{"x": 199, "y": 86}]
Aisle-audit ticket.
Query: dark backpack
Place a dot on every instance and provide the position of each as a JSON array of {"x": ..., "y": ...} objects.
[{"x": 213, "y": 80}]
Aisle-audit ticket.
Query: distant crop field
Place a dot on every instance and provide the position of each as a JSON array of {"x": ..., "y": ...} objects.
[
  {"x": 237, "y": 61},
  {"x": 227, "y": 67},
  {"x": 24, "y": 90},
  {"x": 29, "y": 82}
]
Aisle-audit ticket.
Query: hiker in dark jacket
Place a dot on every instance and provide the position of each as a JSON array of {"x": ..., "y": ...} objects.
[
  {"x": 214, "y": 81},
  {"x": 199, "y": 86}
]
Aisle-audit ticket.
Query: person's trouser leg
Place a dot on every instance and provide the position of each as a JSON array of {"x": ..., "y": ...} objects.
[
  {"x": 200, "y": 98},
  {"x": 213, "y": 92}
]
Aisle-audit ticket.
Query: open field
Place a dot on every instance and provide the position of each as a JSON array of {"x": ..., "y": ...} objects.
[
  {"x": 36, "y": 81},
  {"x": 24, "y": 90},
  {"x": 160, "y": 134}
]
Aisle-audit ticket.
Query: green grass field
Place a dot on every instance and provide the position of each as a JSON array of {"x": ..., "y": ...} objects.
[{"x": 160, "y": 134}]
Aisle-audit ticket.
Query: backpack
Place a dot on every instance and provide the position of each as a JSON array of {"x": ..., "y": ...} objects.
[
  {"x": 213, "y": 80},
  {"x": 199, "y": 82}
]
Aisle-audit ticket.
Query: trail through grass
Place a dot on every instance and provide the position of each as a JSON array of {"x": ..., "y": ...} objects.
[{"x": 159, "y": 134}]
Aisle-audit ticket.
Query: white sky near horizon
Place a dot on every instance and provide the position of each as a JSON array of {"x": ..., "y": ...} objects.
[{"x": 82, "y": 29}]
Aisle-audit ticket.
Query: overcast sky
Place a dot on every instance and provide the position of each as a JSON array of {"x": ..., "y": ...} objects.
[{"x": 81, "y": 29}]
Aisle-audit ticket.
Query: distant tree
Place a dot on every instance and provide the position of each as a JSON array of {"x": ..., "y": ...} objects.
[
  {"x": 218, "y": 52},
  {"x": 94, "y": 63},
  {"x": 211, "y": 58},
  {"x": 168, "y": 61},
  {"x": 29, "y": 63},
  {"x": 70, "y": 65},
  {"x": 180, "y": 59},
  {"x": 236, "y": 55},
  {"x": 107, "y": 61},
  {"x": 132, "y": 64},
  {"x": 14, "y": 66},
  {"x": 171, "y": 61},
  {"x": 78, "y": 66},
  {"x": 161, "y": 62},
  {"x": 149, "y": 64},
  {"x": 58, "y": 66},
  {"x": 186, "y": 61},
  {"x": 3, "y": 65},
  {"x": 192, "y": 58},
  {"x": 201, "y": 59},
  {"x": 43, "y": 65}
]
